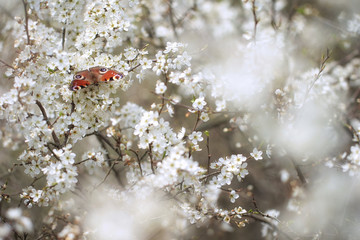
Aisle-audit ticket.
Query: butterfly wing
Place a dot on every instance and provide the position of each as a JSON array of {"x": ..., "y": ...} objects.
[
  {"x": 111, "y": 75},
  {"x": 94, "y": 75},
  {"x": 79, "y": 84},
  {"x": 105, "y": 75},
  {"x": 82, "y": 79}
]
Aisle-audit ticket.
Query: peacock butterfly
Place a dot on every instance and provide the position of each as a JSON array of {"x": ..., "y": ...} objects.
[{"x": 93, "y": 76}]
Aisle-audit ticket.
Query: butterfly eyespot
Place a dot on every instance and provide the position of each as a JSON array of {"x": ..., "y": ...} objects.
[
  {"x": 77, "y": 76},
  {"x": 103, "y": 70}
]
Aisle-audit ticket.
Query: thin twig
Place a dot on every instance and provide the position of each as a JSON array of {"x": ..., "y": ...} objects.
[
  {"x": 6, "y": 64},
  {"x": 138, "y": 65},
  {"x": 53, "y": 153},
  {"x": 197, "y": 120},
  {"x": 88, "y": 159},
  {"x": 70, "y": 127},
  {"x": 174, "y": 103},
  {"x": 273, "y": 15},
  {"x": 26, "y": 22},
  {"x": 63, "y": 38},
  {"x": 151, "y": 158},
  {"x": 230, "y": 189},
  {"x": 216, "y": 122},
  {"x": 260, "y": 212},
  {"x": 262, "y": 219},
  {"x": 163, "y": 95},
  {"x": 209, "y": 175},
  {"x": 138, "y": 159},
  {"x": 324, "y": 59},
  {"x": 142, "y": 157},
  {"x": 99, "y": 135},
  {"x": 42, "y": 109},
  {"x": 172, "y": 21},
  {"x": 208, "y": 152},
  {"x": 36, "y": 179},
  {"x": 299, "y": 172},
  {"x": 102, "y": 141},
  {"x": 107, "y": 174},
  {"x": 256, "y": 20}
]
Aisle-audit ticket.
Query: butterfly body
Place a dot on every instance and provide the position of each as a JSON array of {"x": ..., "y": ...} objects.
[{"x": 94, "y": 76}]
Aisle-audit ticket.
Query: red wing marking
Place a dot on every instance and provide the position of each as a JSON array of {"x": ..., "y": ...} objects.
[
  {"x": 78, "y": 84},
  {"x": 111, "y": 75}
]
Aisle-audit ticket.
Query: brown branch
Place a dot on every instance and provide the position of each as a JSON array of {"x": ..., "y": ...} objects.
[
  {"x": 256, "y": 20},
  {"x": 151, "y": 158},
  {"x": 42, "y": 109},
  {"x": 53, "y": 153},
  {"x": 6, "y": 64},
  {"x": 208, "y": 152},
  {"x": 36, "y": 179},
  {"x": 265, "y": 220},
  {"x": 70, "y": 126},
  {"x": 230, "y": 189},
  {"x": 82, "y": 161},
  {"x": 216, "y": 122},
  {"x": 138, "y": 65},
  {"x": 88, "y": 159},
  {"x": 138, "y": 160},
  {"x": 260, "y": 212},
  {"x": 163, "y": 95},
  {"x": 63, "y": 38},
  {"x": 255, "y": 204},
  {"x": 142, "y": 157},
  {"x": 273, "y": 15},
  {"x": 102, "y": 141},
  {"x": 26, "y": 22},
  {"x": 107, "y": 174},
  {"x": 299, "y": 172},
  {"x": 100, "y": 136},
  {"x": 172, "y": 21},
  {"x": 197, "y": 120},
  {"x": 174, "y": 103},
  {"x": 209, "y": 175}
]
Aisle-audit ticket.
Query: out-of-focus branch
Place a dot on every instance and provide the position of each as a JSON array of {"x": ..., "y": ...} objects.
[
  {"x": 256, "y": 20},
  {"x": 187, "y": 13},
  {"x": 299, "y": 172},
  {"x": 26, "y": 22},
  {"x": 266, "y": 220},
  {"x": 172, "y": 21},
  {"x": 273, "y": 16},
  {"x": 208, "y": 151},
  {"x": 6, "y": 64},
  {"x": 324, "y": 59}
]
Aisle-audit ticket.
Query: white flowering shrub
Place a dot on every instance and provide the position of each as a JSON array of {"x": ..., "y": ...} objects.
[{"x": 139, "y": 119}]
